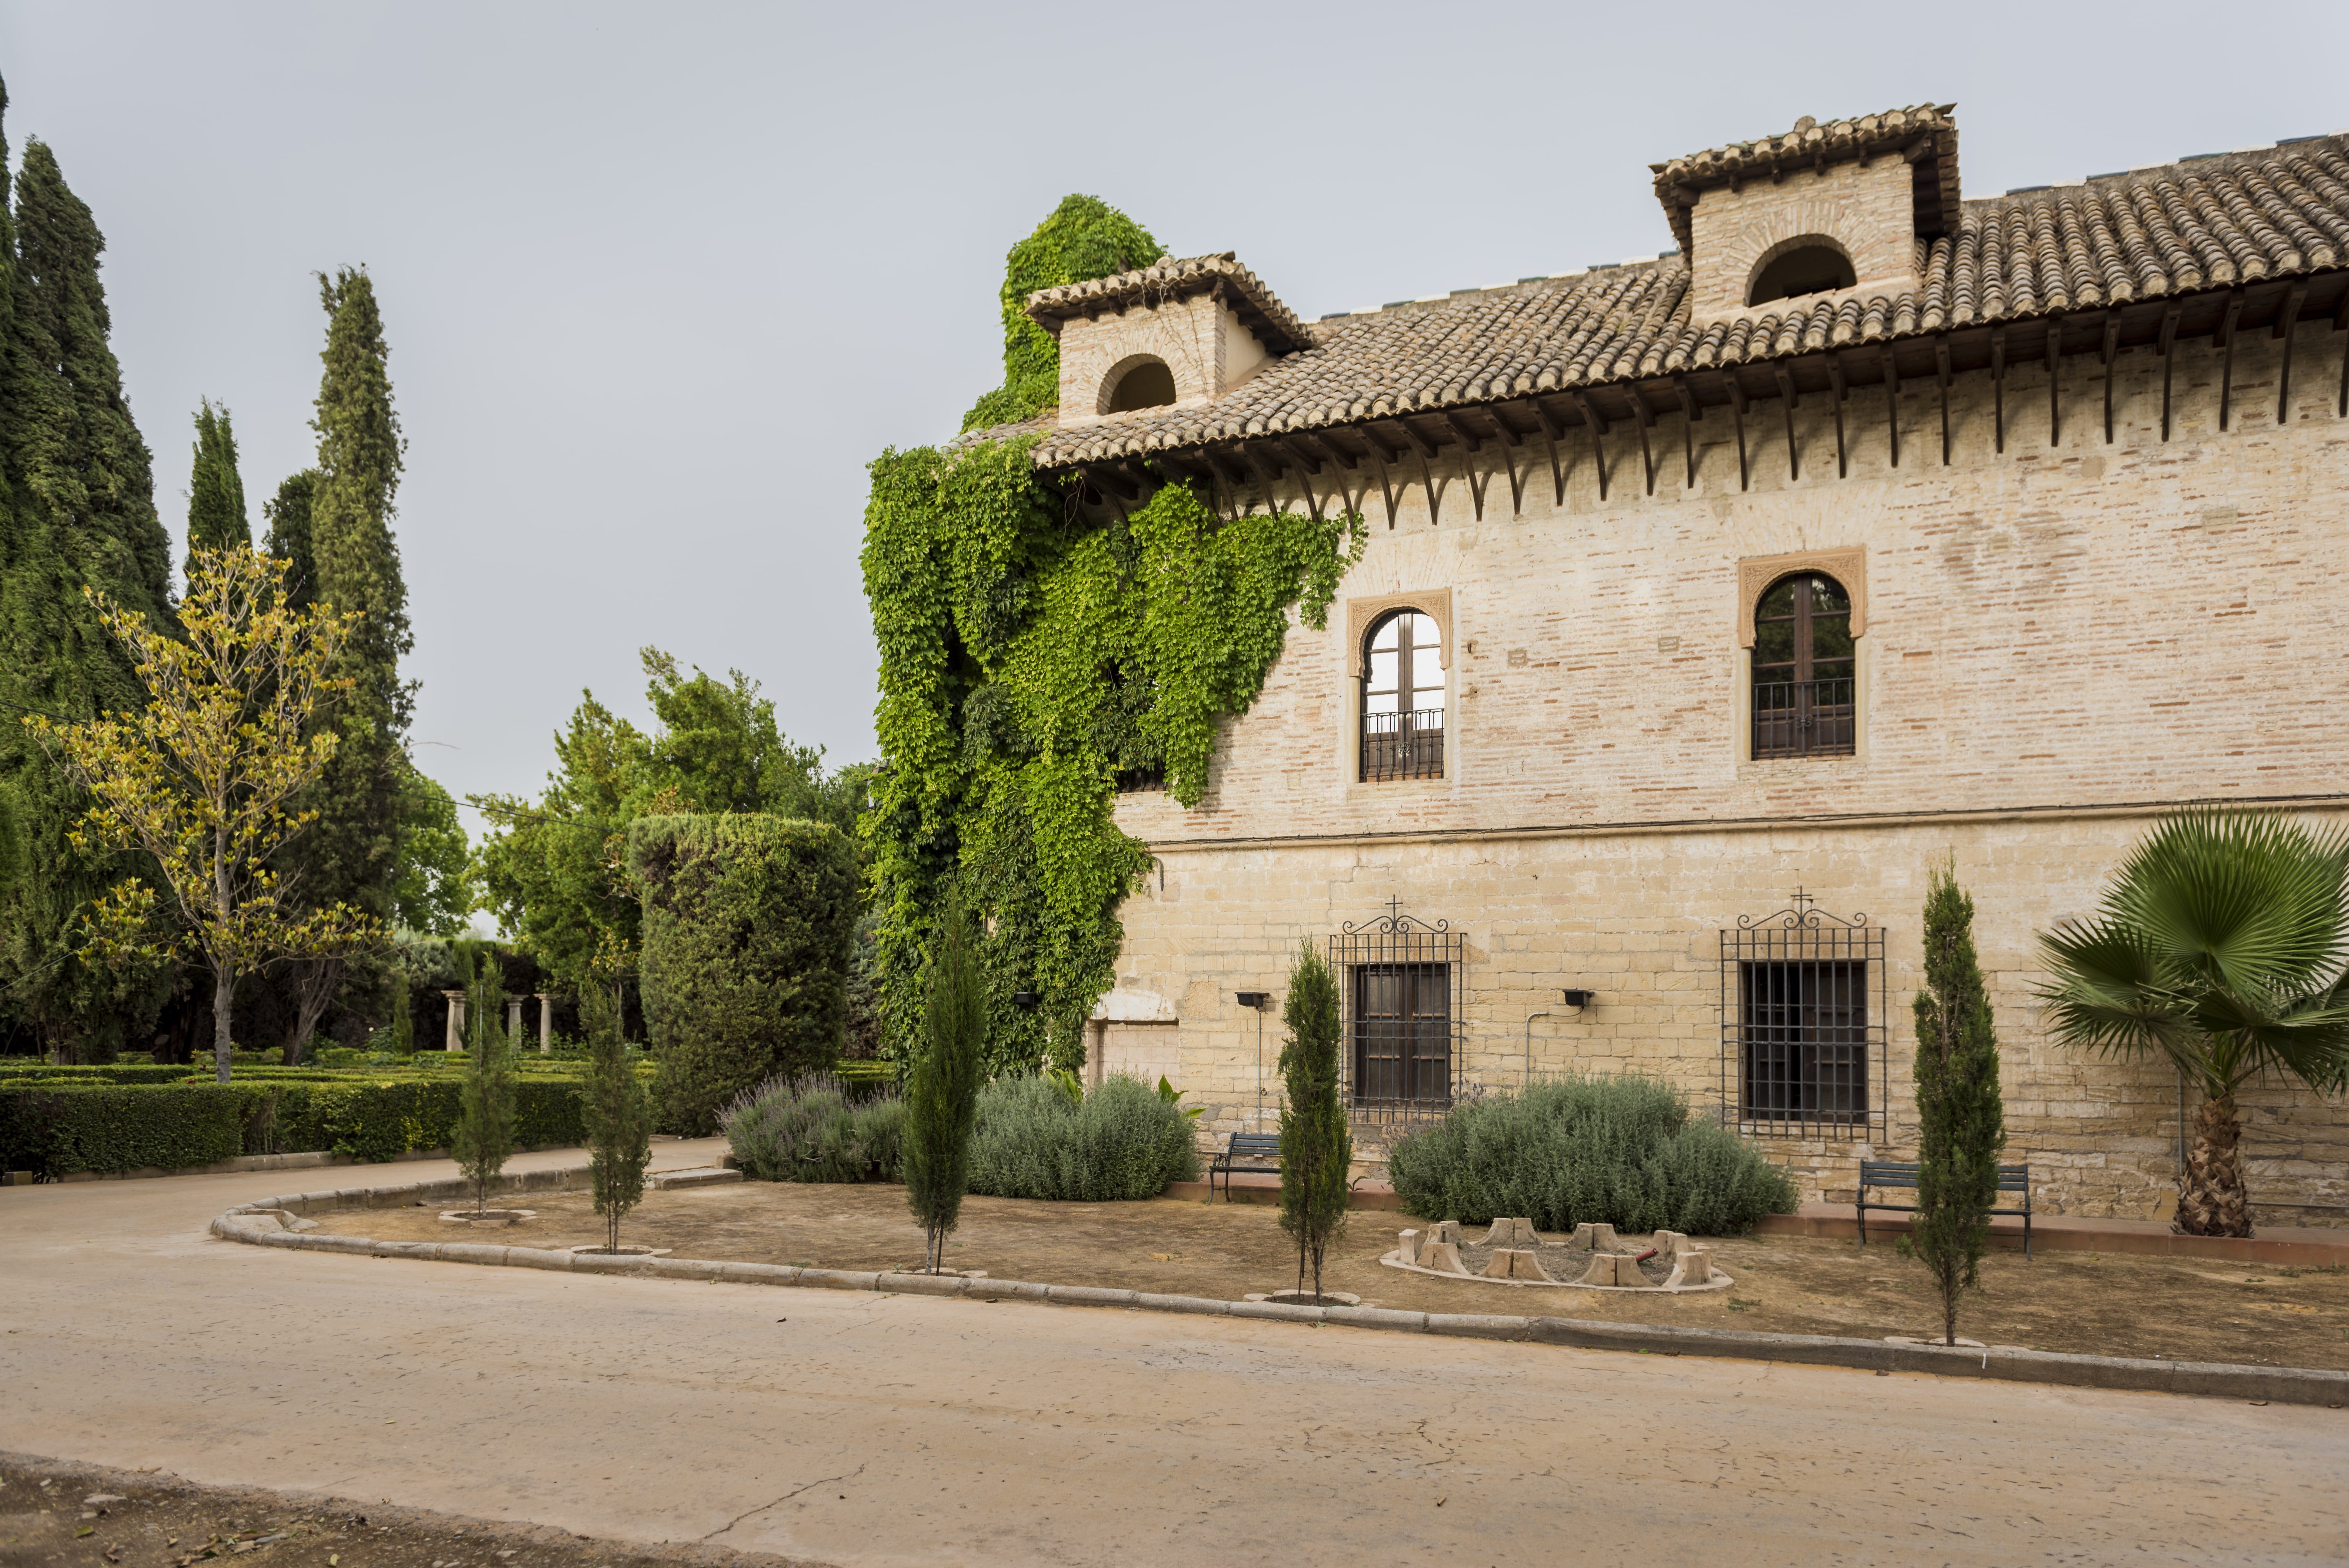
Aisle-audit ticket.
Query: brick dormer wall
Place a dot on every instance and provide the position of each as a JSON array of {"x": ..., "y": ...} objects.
[
  {"x": 1205, "y": 346},
  {"x": 1868, "y": 210}
]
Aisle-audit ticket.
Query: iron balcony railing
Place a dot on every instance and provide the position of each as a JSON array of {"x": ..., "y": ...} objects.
[
  {"x": 1804, "y": 718},
  {"x": 1402, "y": 744}
]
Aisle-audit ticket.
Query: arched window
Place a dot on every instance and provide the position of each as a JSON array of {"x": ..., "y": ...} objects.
[
  {"x": 1813, "y": 264},
  {"x": 1803, "y": 669},
  {"x": 1144, "y": 382},
  {"x": 1402, "y": 699}
]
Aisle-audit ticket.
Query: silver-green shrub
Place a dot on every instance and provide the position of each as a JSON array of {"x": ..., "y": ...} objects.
[
  {"x": 1613, "y": 1150},
  {"x": 1120, "y": 1141},
  {"x": 809, "y": 1129}
]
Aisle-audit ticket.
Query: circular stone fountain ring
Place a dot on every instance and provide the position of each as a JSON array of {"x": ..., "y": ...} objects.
[{"x": 1593, "y": 1258}]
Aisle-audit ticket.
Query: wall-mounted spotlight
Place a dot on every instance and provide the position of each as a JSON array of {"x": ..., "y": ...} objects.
[
  {"x": 1259, "y": 1000},
  {"x": 1580, "y": 999},
  {"x": 1023, "y": 999}
]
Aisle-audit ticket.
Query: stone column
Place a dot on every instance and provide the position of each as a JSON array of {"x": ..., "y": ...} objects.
[
  {"x": 545, "y": 1022},
  {"x": 513, "y": 1022},
  {"x": 456, "y": 1041}
]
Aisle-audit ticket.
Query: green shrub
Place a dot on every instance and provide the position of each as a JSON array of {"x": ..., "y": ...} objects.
[
  {"x": 747, "y": 926},
  {"x": 62, "y": 1127},
  {"x": 808, "y": 1129},
  {"x": 1121, "y": 1142},
  {"x": 1614, "y": 1151}
]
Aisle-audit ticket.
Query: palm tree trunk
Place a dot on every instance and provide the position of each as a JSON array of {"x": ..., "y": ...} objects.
[{"x": 2211, "y": 1198}]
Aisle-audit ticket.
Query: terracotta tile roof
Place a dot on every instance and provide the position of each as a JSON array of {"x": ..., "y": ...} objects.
[
  {"x": 1258, "y": 308},
  {"x": 2203, "y": 225},
  {"x": 1924, "y": 134}
]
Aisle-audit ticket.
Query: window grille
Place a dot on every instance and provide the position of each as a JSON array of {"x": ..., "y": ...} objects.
[
  {"x": 1803, "y": 1024},
  {"x": 1398, "y": 986}
]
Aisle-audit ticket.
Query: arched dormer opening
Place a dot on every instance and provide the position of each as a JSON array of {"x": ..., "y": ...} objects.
[
  {"x": 1806, "y": 264},
  {"x": 1138, "y": 381}
]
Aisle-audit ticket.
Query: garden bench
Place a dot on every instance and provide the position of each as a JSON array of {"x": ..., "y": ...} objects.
[
  {"x": 1243, "y": 1146},
  {"x": 1891, "y": 1173}
]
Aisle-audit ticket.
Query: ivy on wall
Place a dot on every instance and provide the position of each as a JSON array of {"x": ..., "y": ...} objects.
[
  {"x": 1084, "y": 238},
  {"x": 1027, "y": 658}
]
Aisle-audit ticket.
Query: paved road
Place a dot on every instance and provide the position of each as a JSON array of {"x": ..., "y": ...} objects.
[{"x": 899, "y": 1430}]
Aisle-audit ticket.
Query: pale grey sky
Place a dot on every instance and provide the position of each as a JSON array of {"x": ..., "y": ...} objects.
[{"x": 659, "y": 279}]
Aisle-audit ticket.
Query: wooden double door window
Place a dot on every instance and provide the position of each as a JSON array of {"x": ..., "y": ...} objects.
[
  {"x": 1402, "y": 700},
  {"x": 1402, "y": 1042},
  {"x": 1805, "y": 669}
]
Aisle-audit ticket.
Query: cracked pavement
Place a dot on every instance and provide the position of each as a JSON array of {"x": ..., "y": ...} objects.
[{"x": 904, "y": 1430}]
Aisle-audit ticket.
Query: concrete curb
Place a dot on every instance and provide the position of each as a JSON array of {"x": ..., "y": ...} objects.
[{"x": 2209, "y": 1379}]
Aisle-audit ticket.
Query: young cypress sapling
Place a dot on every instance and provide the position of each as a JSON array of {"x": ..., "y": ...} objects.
[
  {"x": 403, "y": 1021},
  {"x": 1960, "y": 1120},
  {"x": 485, "y": 1101},
  {"x": 942, "y": 1095},
  {"x": 618, "y": 1111},
  {"x": 1316, "y": 1144},
  {"x": 216, "y": 519}
]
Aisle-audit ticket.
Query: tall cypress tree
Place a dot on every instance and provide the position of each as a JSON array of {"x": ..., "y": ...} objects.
[
  {"x": 216, "y": 517},
  {"x": 1961, "y": 1117},
  {"x": 289, "y": 535},
  {"x": 77, "y": 508},
  {"x": 351, "y": 853}
]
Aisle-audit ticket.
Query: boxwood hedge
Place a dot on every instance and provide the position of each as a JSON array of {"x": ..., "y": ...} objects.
[{"x": 59, "y": 1124}]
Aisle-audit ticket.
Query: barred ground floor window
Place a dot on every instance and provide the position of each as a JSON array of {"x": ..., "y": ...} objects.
[
  {"x": 1803, "y": 1023},
  {"x": 1400, "y": 986}
]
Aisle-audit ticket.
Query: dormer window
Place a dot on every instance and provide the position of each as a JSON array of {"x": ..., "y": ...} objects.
[
  {"x": 1141, "y": 382},
  {"x": 1809, "y": 265}
]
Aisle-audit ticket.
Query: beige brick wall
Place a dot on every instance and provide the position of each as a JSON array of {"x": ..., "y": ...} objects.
[
  {"x": 2056, "y": 636},
  {"x": 1204, "y": 346},
  {"x": 1870, "y": 211}
]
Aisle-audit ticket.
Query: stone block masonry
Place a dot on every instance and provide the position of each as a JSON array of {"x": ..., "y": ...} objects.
[{"x": 2061, "y": 638}]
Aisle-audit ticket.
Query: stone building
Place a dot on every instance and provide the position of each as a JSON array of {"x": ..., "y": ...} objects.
[{"x": 1711, "y": 599}]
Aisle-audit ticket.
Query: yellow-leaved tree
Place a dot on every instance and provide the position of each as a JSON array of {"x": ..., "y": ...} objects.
[{"x": 201, "y": 777}]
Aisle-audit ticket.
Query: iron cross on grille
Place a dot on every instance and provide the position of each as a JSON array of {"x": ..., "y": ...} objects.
[{"x": 1802, "y": 901}]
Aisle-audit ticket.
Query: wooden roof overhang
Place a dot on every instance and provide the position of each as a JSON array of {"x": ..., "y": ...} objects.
[{"x": 1520, "y": 435}]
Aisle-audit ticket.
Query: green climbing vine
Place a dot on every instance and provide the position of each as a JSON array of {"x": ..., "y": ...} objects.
[{"x": 1027, "y": 660}]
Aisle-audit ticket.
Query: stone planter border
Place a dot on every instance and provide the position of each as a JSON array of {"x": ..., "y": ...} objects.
[{"x": 2274, "y": 1385}]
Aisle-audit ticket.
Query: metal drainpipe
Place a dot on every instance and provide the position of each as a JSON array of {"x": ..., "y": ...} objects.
[{"x": 1529, "y": 1046}]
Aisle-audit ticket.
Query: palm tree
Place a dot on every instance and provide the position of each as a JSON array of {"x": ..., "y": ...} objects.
[{"x": 2221, "y": 946}]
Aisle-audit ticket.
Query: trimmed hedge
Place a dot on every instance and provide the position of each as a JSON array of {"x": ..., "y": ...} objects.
[
  {"x": 747, "y": 925},
  {"x": 62, "y": 1127}
]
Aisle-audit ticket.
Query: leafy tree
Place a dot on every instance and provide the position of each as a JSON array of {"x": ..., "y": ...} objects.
[
  {"x": 76, "y": 509},
  {"x": 353, "y": 857},
  {"x": 216, "y": 519},
  {"x": 1084, "y": 238},
  {"x": 1316, "y": 1144},
  {"x": 200, "y": 779},
  {"x": 744, "y": 975},
  {"x": 555, "y": 869},
  {"x": 1960, "y": 1120},
  {"x": 484, "y": 1137},
  {"x": 2219, "y": 947},
  {"x": 942, "y": 1093},
  {"x": 289, "y": 536},
  {"x": 433, "y": 890},
  {"x": 617, "y": 1109}
]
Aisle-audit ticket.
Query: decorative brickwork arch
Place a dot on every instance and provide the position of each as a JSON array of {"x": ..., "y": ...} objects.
[
  {"x": 1136, "y": 381},
  {"x": 1847, "y": 567}
]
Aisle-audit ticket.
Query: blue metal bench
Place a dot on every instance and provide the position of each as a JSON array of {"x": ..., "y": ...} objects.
[
  {"x": 1891, "y": 1173},
  {"x": 1257, "y": 1146}
]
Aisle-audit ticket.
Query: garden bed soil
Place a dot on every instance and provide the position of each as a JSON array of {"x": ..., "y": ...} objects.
[
  {"x": 155, "y": 1521},
  {"x": 2085, "y": 1302}
]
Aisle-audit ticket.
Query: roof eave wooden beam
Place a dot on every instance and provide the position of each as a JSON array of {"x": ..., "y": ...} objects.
[{"x": 2286, "y": 319}]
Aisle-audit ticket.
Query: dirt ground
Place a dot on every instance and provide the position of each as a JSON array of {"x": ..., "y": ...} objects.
[
  {"x": 146, "y": 1521},
  {"x": 2102, "y": 1306}
]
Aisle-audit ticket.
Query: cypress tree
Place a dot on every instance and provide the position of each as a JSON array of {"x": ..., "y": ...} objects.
[
  {"x": 351, "y": 853},
  {"x": 1316, "y": 1145},
  {"x": 484, "y": 1134},
  {"x": 288, "y": 513},
  {"x": 216, "y": 517},
  {"x": 1960, "y": 1120},
  {"x": 76, "y": 509},
  {"x": 942, "y": 1094},
  {"x": 617, "y": 1109}
]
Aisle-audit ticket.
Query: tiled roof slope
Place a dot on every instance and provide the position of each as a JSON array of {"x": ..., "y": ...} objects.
[
  {"x": 1924, "y": 134},
  {"x": 2204, "y": 223},
  {"x": 1258, "y": 308}
]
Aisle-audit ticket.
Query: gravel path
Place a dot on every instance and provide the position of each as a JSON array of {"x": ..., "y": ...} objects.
[{"x": 850, "y": 1427}]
